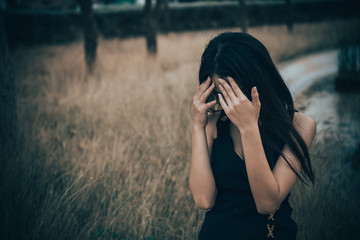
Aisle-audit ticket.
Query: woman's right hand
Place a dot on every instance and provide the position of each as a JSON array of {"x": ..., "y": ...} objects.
[{"x": 200, "y": 107}]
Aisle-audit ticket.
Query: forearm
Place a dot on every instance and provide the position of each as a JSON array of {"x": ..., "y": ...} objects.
[
  {"x": 263, "y": 184},
  {"x": 201, "y": 179}
]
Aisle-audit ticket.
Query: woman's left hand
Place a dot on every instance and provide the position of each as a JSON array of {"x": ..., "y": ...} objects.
[{"x": 243, "y": 113}]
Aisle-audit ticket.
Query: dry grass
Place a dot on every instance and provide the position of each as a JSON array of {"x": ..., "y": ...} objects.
[
  {"x": 333, "y": 201},
  {"x": 107, "y": 157}
]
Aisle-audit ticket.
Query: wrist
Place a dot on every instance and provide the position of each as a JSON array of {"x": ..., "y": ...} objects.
[
  {"x": 198, "y": 126},
  {"x": 249, "y": 129}
]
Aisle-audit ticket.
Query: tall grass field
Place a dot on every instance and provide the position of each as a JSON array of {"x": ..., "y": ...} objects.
[{"x": 107, "y": 156}]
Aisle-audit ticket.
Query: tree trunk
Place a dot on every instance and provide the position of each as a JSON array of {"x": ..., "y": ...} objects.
[
  {"x": 8, "y": 116},
  {"x": 162, "y": 8},
  {"x": 90, "y": 34},
  {"x": 243, "y": 15},
  {"x": 150, "y": 28},
  {"x": 289, "y": 6}
]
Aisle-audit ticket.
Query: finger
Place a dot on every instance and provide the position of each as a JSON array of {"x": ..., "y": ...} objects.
[
  {"x": 235, "y": 87},
  {"x": 200, "y": 87},
  {"x": 225, "y": 94},
  {"x": 228, "y": 89},
  {"x": 210, "y": 105},
  {"x": 255, "y": 97},
  {"x": 207, "y": 92},
  {"x": 223, "y": 103},
  {"x": 203, "y": 86}
]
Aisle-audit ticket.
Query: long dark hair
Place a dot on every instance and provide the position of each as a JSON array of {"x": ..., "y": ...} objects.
[{"x": 246, "y": 60}]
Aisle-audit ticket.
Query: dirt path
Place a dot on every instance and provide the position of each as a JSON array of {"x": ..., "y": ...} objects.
[{"x": 334, "y": 198}]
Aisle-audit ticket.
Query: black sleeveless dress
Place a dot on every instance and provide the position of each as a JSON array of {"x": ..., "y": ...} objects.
[{"x": 234, "y": 215}]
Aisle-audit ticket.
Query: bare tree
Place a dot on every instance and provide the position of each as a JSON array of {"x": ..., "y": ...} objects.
[
  {"x": 8, "y": 117},
  {"x": 162, "y": 8},
  {"x": 150, "y": 28},
  {"x": 289, "y": 23},
  {"x": 243, "y": 15},
  {"x": 90, "y": 34}
]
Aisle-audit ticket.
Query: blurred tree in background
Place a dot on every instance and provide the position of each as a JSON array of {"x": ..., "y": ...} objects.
[
  {"x": 90, "y": 34},
  {"x": 9, "y": 219},
  {"x": 150, "y": 27},
  {"x": 8, "y": 117},
  {"x": 243, "y": 15},
  {"x": 152, "y": 17},
  {"x": 162, "y": 8},
  {"x": 289, "y": 5},
  {"x": 348, "y": 78}
]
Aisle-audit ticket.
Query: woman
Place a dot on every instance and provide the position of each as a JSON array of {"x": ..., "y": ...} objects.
[{"x": 249, "y": 151}]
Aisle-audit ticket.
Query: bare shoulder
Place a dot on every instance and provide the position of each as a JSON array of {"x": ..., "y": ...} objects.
[
  {"x": 304, "y": 121},
  {"x": 306, "y": 126}
]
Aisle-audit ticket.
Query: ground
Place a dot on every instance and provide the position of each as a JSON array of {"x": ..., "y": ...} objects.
[{"x": 107, "y": 156}]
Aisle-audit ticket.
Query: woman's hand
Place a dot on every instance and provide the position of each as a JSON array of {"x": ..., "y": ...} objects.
[
  {"x": 243, "y": 113},
  {"x": 200, "y": 107}
]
